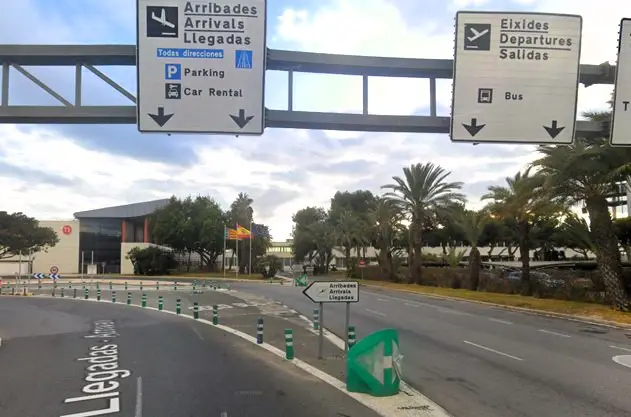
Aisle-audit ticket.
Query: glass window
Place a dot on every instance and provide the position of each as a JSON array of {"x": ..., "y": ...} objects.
[{"x": 100, "y": 240}]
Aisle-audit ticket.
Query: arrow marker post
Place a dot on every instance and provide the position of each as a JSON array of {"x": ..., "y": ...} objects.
[
  {"x": 161, "y": 119},
  {"x": 474, "y": 127},
  {"x": 554, "y": 129},
  {"x": 241, "y": 120}
]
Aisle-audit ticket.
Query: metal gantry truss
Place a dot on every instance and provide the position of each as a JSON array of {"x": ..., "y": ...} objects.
[{"x": 17, "y": 57}]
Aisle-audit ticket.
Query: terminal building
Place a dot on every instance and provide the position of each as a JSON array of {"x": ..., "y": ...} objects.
[{"x": 98, "y": 239}]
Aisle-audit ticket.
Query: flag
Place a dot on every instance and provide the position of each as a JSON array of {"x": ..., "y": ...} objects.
[
  {"x": 231, "y": 234},
  {"x": 258, "y": 230},
  {"x": 243, "y": 233}
]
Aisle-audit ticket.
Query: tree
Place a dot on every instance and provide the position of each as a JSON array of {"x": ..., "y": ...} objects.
[
  {"x": 303, "y": 234},
  {"x": 22, "y": 234},
  {"x": 586, "y": 172},
  {"x": 622, "y": 230},
  {"x": 385, "y": 218},
  {"x": 241, "y": 213},
  {"x": 472, "y": 225},
  {"x": 193, "y": 226},
  {"x": 151, "y": 261},
  {"x": 494, "y": 233},
  {"x": 574, "y": 233},
  {"x": 521, "y": 200},
  {"x": 422, "y": 193}
]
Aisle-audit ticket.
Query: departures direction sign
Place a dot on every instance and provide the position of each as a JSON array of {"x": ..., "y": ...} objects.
[
  {"x": 201, "y": 66},
  {"x": 333, "y": 291},
  {"x": 515, "y": 77},
  {"x": 621, "y": 116}
]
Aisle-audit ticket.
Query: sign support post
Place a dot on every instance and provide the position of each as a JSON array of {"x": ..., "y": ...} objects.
[
  {"x": 347, "y": 323},
  {"x": 322, "y": 292}
]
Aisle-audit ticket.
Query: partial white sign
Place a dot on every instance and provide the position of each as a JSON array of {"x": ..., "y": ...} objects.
[
  {"x": 201, "y": 66},
  {"x": 621, "y": 115},
  {"x": 333, "y": 291},
  {"x": 515, "y": 77}
]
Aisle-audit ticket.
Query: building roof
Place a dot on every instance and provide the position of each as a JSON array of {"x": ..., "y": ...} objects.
[{"x": 124, "y": 212}]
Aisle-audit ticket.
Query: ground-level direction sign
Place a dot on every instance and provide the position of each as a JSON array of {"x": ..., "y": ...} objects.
[
  {"x": 201, "y": 66},
  {"x": 333, "y": 291},
  {"x": 621, "y": 116},
  {"x": 515, "y": 77}
]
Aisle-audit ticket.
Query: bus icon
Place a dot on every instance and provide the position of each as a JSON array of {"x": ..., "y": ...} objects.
[{"x": 485, "y": 95}]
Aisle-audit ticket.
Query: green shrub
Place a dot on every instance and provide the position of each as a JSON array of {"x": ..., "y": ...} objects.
[{"x": 151, "y": 261}]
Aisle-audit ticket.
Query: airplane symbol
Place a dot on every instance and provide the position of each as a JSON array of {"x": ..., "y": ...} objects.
[
  {"x": 477, "y": 34},
  {"x": 162, "y": 19},
  {"x": 323, "y": 290}
]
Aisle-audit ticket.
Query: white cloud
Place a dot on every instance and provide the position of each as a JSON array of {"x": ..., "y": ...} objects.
[{"x": 291, "y": 160}]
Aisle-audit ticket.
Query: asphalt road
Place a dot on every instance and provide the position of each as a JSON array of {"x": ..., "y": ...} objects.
[
  {"x": 65, "y": 358},
  {"x": 476, "y": 360}
]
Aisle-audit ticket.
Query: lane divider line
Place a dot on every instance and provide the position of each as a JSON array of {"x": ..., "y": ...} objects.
[
  {"x": 500, "y": 321},
  {"x": 405, "y": 404},
  {"x": 492, "y": 350},
  {"x": 376, "y": 312},
  {"x": 554, "y": 333},
  {"x": 620, "y": 348}
]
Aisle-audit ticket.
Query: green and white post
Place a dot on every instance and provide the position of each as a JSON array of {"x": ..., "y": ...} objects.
[
  {"x": 157, "y": 285},
  {"x": 174, "y": 285},
  {"x": 259, "y": 330},
  {"x": 316, "y": 319},
  {"x": 62, "y": 292},
  {"x": 110, "y": 285},
  {"x": 195, "y": 310},
  {"x": 113, "y": 296},
  {"x": 351, "y": 336},
  {"x": 128, "y": 298},
  {"x": 140, "y": 285},
  {"x": 125, "y": 285},
  {"x": 215, "y": 314},
  {"x": 74, "y": 293},
  {"x": 289, "y": 344},
  {"x": 144, "y": 300},
  {"x": 160, "y": 303},
  {"x": 178, "y": 306},
  {"x": 98, "y": 294}
]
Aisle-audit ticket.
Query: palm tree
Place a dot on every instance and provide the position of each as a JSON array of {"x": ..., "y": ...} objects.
[
  {"x": 350, "y": 234},
  {"x": 423, "y": 192},
  {"x": 587, "y": 172},
  {"x": 385, "y": 218},
  {"x": 472, "y": 224},
  {"x": 521, "y": 200}
]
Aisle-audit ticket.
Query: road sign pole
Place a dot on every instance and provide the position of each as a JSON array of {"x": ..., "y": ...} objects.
[
  {"x": 347, "y": 323},
  {"x": 321, "y": 336}
]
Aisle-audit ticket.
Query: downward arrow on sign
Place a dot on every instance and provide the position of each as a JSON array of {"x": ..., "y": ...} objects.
[
  {"x": 474, "y": 127},
  {"x": 554, "y": 130},
  {"x": 160, "y": 118},
  {"x": 241, "y": 120}
]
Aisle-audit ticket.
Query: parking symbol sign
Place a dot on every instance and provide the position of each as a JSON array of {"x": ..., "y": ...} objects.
[{"x": 172, "y": 71}]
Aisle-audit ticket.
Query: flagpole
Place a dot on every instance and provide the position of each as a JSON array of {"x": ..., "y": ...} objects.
[
  {"x": 237, "y": 246},
  {"x": 223, "y": 258},
  {"x": 251, "y": 237}
]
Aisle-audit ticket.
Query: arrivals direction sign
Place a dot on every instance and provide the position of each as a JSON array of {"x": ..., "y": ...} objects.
[
  {"x": 333, "y": 291},
  {"x": 621, "y": 116},
  {"x": 515, "y": 77},
  {"x": 201, "y": 66}
]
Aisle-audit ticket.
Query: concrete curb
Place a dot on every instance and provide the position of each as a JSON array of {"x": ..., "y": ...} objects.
[{"x": 569, "y": 317}]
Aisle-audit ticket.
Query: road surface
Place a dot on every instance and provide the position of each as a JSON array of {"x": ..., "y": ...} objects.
[
  {"x": 67, "y": 359},
  {"x": 476, "y": 360}
]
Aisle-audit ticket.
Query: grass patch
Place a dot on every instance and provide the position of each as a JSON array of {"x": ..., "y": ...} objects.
[{"x": 574, "y": 308}]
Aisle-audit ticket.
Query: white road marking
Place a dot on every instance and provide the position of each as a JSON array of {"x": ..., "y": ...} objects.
[
  {"x": 624, "y": 360},
  {"x": 198, "y": 333},
  {"x": 410, "y": 305},
  {"x": 138, "y": 397},
  {"x": 455, "y": 312},
  {"x": 620, "y": 348},
  {"x": 493, "y": 350},
  {"x": 501, "y": 321},
  {"x": 224, "y": 414},
  {"x": 554, "y": 333},
  {"x": 375, "y": 312},
  {"x": 381, "y": 299}
]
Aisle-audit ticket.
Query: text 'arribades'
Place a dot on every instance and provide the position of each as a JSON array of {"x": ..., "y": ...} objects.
[{"x": 217, "y": 24}]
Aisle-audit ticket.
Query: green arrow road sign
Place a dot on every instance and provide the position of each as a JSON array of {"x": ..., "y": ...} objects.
[
  {"x": 302, "y": 280},
  {"x": 374, "y": 366}
]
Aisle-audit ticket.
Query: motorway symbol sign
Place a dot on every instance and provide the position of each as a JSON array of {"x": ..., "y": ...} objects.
[
  {"x": 621, "y": 115},
  {"x": 201, "y": 66},
  {"x": 515, "y": 77},
  {"x": 333, "y": 291}
]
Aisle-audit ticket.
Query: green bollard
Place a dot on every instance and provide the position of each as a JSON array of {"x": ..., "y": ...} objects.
[
  {"x": 259, "y": 330},
  {"x": 178, "y": 306},
  {"x": 128, "y": 298},
  {"x": 195, "y": 311},
  {"x": 351, "y": 336},
  {"x": 174, "y": 285},
  {"x": 62, "y": 292},
  {"x": 98, "y": 294},
  {"x": 144, "y": 300},
  {"x": 55, "y": 285},
  {"x": 69, "y": 284},
  {"x": 140, "y": 285},
  {"x": 39, "y": 285},
  {"x": 110, "y": 285},
  {"x": 160, "y": 303},
  {"x": 215, "y": 314},
  {"x": 157, "y": 285},
  {"x": 316, "y": 319},
  {"x": 74, "y": 293},
  {"x": 113, "y": 296},
  {"x": 86, "y": 294},
  {"x": 289, "y": 344},
  {"x": 98, "y": 286},
  {"x": 125, "y": 285},
  {"x": 53, "y": 291}
]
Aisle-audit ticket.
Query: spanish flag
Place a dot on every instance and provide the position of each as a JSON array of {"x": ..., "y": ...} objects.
[
  {"x": 243, "y": 233},
  {"x": 231, "y": 234}
]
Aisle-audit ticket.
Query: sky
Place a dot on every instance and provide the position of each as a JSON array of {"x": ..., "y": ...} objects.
[{"x": 52, "y": 171}]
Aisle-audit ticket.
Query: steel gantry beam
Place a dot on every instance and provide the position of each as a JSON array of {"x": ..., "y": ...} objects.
[{"x": 16, "y": 57}]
